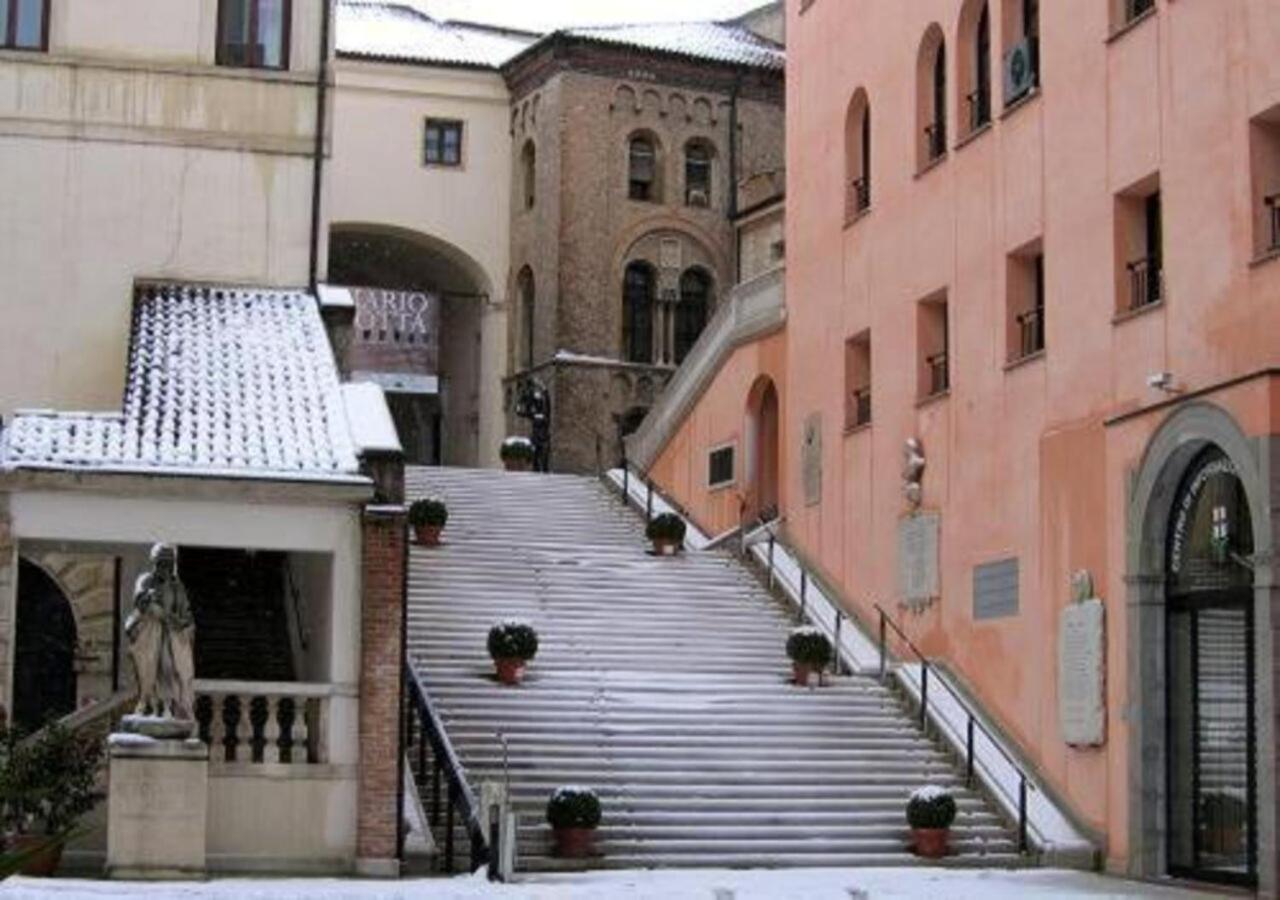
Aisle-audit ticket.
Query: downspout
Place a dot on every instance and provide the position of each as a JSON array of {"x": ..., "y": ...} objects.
[
  {"x": 733, "y": 144},
  {"x": 317, "y": 173}
]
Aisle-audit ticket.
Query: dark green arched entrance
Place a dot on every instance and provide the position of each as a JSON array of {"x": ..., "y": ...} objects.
[{"x": 44, "y": 676}]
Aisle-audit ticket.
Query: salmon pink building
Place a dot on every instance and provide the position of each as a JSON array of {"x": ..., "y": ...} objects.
[{"x": 1025, "y": 394}]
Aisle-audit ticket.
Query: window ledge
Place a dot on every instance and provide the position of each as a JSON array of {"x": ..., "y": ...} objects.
[
  {"x": 1022, "y": 102},
  {"x": 973, "y": 135},
  {"x": 1121, "y": 30},
  {"x": 1129, "y": 314},
  {"x": 850, "y": 430},
  {"x": 1023, "y": 360},
  {"x": 931, "y": 399},
  {"x": 931, "y": 165},
  {"x": 857, "y": 217},
  {"x": 1264, "y": 257},
  {"x": 721, "y": 486}
]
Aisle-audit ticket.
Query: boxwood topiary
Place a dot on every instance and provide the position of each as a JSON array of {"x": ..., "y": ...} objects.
[
  {"x": 666, "y": 527},
  {"x": 573, "y": 807},
  {"x": 516, "y": 448},
  {"x": 513, "y": 639},
  {"x": 810, "y": 647},
  {"x": 931, "y": 807},
  {"x": 430, "y": 511}
]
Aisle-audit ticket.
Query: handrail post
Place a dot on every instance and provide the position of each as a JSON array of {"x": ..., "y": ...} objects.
[
  {"x": 1022, "y": 813},
  {"x": 804, "y": 592},
  {"x": 435, "y": 790},
  {"x": 884, "y": 645},
  {"x": 968, "y": 755},
  {"x": 626, "y": 482},
  {"x": 771, "y": 541},
  {"x": 924, "y": 694},
  {"x": 495, "y": 844},
  {"x": 648, "y": 500},
  {"x": 448, "y": 831},
  {"x": 837, "y": 668}
]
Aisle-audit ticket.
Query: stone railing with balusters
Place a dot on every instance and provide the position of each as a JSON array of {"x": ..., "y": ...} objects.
[{"x": 263, "y": 723}]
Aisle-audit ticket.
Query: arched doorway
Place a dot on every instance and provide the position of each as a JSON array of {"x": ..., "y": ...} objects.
[
  {"x": 1211, "y": 761},
  {"x": 762, "y": 451},
  {"x": 44, "y": 676}
]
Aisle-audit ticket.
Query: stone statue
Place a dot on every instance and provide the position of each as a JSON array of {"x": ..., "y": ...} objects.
[
  {"x": 161, "y": 635},
  {"x": 534, "y": 403},
  {"x": 913, "y": 473}
]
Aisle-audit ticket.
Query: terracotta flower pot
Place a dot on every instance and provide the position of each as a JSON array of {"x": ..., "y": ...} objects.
[
  {"x": 574, "y": 843},
  {"x": 801, "y": 673},
  {"x": 510, "y": 670},
  {"x": 517, "y": 465},
  {"x": 931, "y": 843},
  {"x": 46, "y": 854},
  {"x": 665, "y": 547},
  {"x": 427, "y": 535}
]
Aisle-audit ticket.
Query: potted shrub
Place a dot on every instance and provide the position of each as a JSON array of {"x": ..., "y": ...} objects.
[
  {"x": 666, "y": 531},
  {"x": 930, "y": 812},
  {"x": 810, "y": 651},
  {"x": 428, "y": 518},
  {"x": 517, "y": 454},
  {"x": 512, "y": 644},
  {"x": 47, "y": 782},
  {"x": 574, "y": 814}
]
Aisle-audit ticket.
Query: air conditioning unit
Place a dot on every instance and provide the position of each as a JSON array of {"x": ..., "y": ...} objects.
[
  {"x": 1019, "y": 70},
  {"x": 699, "y": 198}
]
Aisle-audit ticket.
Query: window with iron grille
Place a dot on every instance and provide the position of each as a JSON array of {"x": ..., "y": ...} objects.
[
  {"x": 720, "y": 465},
  {"x": 1140, "y": 238},
  {"x": 443, "y": 143},
  {"x": 254, "y": 34},
  {"x": 932, "y": 339},
  {"x": 857, "y": 381},
  {"x": 1024, "y": 283}
]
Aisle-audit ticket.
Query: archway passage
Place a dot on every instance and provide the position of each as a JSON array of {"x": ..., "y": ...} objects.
[
  {"x": 437, "y": 415},
  {"x": 44, "y": 677},
  {"x": 1211, "y": 730},
  {"x": 762, "y": 458}
]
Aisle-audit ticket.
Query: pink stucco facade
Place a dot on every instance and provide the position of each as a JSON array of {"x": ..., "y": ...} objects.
[{"x": 1034, "y": 453}]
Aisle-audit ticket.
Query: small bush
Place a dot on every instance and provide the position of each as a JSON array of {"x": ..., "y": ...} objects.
[
  {"x": 428, "y": 512},
  {"x": 931, "y": 807},
  {"x": 516, "y": 449},
  {"x": 48, "y": 780},
  {"x": 573, "y": 807},
  {"x": 666, "y": 527},
  {"x": 810, "y": 647},
  {"x": 513, "y": 640}
]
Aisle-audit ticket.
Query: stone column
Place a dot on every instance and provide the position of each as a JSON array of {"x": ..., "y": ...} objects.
[{"x": 381, "y": 663}]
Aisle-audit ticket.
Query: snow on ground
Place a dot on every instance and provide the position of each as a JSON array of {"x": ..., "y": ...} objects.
[{"x": 707, "y": 884}]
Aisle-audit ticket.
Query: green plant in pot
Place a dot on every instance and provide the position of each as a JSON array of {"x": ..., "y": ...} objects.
[
  {"x": 574, "y": 814},
  {"x": 930, "y": 812},
  {"x": 512, "y": 643},
  {"x": 48, "y": 780},
  {"x": 517, "y": 454},
  {"x": 666, "y": 531},
  {"x": 428, "y": 518},
  {"x": 810, "y": 651}
]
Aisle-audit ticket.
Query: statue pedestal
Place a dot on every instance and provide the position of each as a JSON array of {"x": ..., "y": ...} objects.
[{"x": 157, "y": 808}]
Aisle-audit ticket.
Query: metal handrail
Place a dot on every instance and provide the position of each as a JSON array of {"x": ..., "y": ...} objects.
[
  {"x": 446, "y": 764},
  {"x": 974, "y": 723}
]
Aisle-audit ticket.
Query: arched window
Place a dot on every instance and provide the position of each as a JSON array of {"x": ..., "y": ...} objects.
[
  {"x": 931, "y": 98},
  {"x": 528, "y": 174},
  {"x": 857, "y": 139},
  {"x": 642, "y": 169},
  {"x": 528, "y": 300},
  {"x": 974, "y": 81},
  {"x": 691, "y": 311},
  {"x": 697, "y": 174},
  {"x": 637, "y": 312}
]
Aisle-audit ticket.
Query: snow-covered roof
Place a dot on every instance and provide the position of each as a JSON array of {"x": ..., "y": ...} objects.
[
  {"x": 222, "y": 381},
  {"x": 725, "y": 42},
  {"x": 399, "y": 31}
]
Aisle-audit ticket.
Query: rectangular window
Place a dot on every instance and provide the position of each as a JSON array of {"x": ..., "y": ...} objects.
[
  {"x": 443, "y": 146},
  {"x": 857, "y": 379},
  {"x": 24, "y": 24},
  {"x": 1140, "y": 246},
  {"x": 934, "y": 378},
  {"x": 1024, "y": 285},
  {"x": 1264, "y": 157},
  {"x": 720, "y": 464},
  {"x": 697, "y": 176},
  {"x": 254, "y": 34}
]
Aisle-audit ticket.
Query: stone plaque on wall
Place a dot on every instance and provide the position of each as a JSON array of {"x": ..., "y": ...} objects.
[
  {"x": 995, "y": 590},
  {"x": 918, "y": 560},
  {"x": 811, "y": 460},
  {"x": 1082, "y": 704}
]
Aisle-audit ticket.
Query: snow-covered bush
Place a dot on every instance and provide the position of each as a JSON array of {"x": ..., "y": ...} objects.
[
  {"x": 931, "y": 807},
  {"x": 666, "y": 527},
  {"x": 516, "y": 449},
  {"x": 573, "y": 807},
  {"x": 513, "y": 639},
  {"x": 428, "y": 512},
  {"x": 809, "y": 647}
]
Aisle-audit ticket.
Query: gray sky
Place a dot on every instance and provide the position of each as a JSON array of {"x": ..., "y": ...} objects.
[{"x": 545, "y": 15}]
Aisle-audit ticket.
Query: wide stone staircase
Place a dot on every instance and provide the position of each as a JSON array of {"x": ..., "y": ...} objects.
[{"x": 663, "y": 684}]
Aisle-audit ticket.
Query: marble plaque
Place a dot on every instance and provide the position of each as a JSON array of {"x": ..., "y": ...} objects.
[
  {"x": 811, "y": 460},
  {"x": 918, "y": 559},
  {"x": 1082, "y": 704}
]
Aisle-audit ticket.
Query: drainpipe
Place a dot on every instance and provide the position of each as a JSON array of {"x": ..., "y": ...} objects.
[
  {"x": 733, "y": 143},
  {"x": 317, "y": 174}
]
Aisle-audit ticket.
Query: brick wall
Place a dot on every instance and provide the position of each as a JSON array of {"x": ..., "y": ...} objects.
[{"x": 381, "y": 624}]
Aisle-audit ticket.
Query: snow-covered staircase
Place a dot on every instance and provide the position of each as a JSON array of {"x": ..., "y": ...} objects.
[{"x": 663, "y": 684}]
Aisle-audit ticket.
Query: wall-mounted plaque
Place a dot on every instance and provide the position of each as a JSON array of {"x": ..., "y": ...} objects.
[
  {"x": 918, "y": 582},
  {"x": 1082, "y": 701}
]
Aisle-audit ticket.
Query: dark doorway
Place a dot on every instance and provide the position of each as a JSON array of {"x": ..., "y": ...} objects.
[
  {"x": 1212, "y": 778},
  {"x": 44, "y": 676}
]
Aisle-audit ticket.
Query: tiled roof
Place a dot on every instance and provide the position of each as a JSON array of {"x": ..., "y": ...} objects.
[
  {"x": 387, "y": 30},
  {"x": 229, "y": 382},
  {"x": 716, "y": 41}
]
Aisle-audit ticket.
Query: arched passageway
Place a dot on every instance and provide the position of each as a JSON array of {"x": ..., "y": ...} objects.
[
  {"x": 763, "y": 433},
  {"x": 44, "y": 676}
]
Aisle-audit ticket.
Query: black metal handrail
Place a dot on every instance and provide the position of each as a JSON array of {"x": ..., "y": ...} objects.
[
  {"x": 445, "y": 766},
  {"x": 935, "y": 135},
  {"x": 979, "y": 107},
  {"x": 939, "y": 373},
  {"x": 1031, "y": 330},
  {"x": 1145, "y": 281},
  {"x": 859, "y": 196},
  {"x": 974, "y": 724},
  {"x": 802, "y": 611},
  {"x": 859, "y": 410}
]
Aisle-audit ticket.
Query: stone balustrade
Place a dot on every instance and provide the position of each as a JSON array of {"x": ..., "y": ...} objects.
[{"x": 264, "y": 723}]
